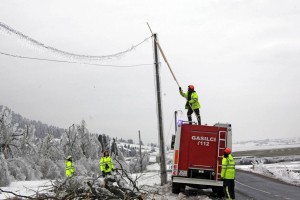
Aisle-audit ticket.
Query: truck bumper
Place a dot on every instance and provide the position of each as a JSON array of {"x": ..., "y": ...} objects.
[{"x": 196, "y": 181}]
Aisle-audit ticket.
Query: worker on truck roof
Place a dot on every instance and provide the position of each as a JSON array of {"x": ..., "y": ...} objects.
[
  {"x": 228, "y": 174},
  {"x": 192, "y": 103}
]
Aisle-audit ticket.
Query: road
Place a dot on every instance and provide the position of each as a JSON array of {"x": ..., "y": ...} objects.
[{"x": 251, "y": 186}]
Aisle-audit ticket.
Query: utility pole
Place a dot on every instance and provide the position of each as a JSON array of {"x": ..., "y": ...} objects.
[
  {"x": 163, "y": 172},
  {"x": 141, "y": 159},
  {"x": 175, "y": 121}
]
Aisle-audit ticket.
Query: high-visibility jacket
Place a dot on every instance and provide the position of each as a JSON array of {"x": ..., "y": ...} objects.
[
  {"x": 106, "y": 164},
  {"x": 193, "y": 101},
  {"x": 228, "y": 167},
  {"x": 69, "y": 168}
]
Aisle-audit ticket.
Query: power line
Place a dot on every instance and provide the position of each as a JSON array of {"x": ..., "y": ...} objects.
[
  {"x": 12, "y": 32},
  {"x": 71, "y": 62}
]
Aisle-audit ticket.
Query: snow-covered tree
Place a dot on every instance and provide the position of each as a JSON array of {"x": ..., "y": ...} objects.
[
  {"x": 4, "y": 173},
  {"x": 9, "y": 134},
  {"x": 27, "y": 142},
  {"x": 31, "y": 150}
]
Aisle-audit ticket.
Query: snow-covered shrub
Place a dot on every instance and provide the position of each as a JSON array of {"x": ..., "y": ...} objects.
[
  {"x": 23, "y": 169},
  {"x": 35, "y": 170},
  {"x": 135, "y": 164},
  {"x": 80, "y": 167},
  {"x": 283, "y": 174},
  {"x": 244, "y": 161},
  {"x": 287, "y": 176},
  {"x": 268, "y": 160},
  {"x": 87, "y": 167},
  {"x": 49, "y": 169},
  {"x": 62, "y": 168},
  {"x": 4, "y": 173},
  {"x": 258, "y": 166},
  {"x": 18, "y": 169}
]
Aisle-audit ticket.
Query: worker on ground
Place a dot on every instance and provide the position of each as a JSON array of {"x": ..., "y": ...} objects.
[
  {"x": 69, "y": 167},
  {"x": 192, "y": 103},
  {"x": 228, "y": 174},
  {"x": 106, "y": 164}
]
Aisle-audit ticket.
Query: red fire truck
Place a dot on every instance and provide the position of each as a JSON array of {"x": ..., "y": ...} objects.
[{"x": 198, "y": 152}]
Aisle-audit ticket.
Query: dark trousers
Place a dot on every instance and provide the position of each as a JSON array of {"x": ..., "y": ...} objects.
[
  {"x": 228, "y": 186},
  {"x": 190, "y": 112}
]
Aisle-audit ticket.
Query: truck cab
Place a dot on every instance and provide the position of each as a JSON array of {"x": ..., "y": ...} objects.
[{"x": 198, "y": 151}]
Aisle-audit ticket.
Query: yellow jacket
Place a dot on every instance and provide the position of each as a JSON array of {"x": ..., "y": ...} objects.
[
  {"x": 228, "y": 167},
  {"x": 106, "y": 164},
  {"x": 194, "y": 102},
  {"x": 69, "y": 168}
]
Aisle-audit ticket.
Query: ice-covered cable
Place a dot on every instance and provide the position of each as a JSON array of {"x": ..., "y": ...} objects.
[
  {"x": 73, "y": 62},
  {"x": 5, "y": 29}
]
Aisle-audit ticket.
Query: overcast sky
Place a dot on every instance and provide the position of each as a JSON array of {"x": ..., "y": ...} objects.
[{"x": 241, "y": 56}]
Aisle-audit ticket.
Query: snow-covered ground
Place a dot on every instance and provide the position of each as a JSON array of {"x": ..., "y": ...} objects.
[
  {"x": 149, "y": 181},
  {"x": 25, "y": 188},
  {"x": 288, "y": 172},
  {"x": 266, "y": 144},
  {"x": 281, "y": 171}
]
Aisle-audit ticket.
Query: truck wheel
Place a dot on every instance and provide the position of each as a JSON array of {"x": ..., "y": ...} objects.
[
  {"x": 176, "y": 187},
  {"x": 218, "y": 191}
]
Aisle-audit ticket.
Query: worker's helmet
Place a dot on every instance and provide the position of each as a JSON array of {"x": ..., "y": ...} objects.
[
  {"x": 227, "y": 150},
  {"x": 69, "y": 157},
  {"x": 191, "y": 87}
]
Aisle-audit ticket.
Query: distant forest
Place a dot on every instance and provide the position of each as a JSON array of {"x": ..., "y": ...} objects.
[{"x": 41, "y": 129}]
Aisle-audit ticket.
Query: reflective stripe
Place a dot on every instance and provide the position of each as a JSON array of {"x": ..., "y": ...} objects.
[
  {"x": 228, "y": 167},
  {"x": 176, "y": 157},
  {"x": 228, "y": 194}
]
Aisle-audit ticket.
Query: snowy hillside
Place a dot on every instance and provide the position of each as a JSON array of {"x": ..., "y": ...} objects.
[
  {"x": 266, "y": 144},
  {"x": 274, "y": 158}
]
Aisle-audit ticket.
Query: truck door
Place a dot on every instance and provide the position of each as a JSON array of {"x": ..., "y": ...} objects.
[{"x": 200, "y": 151}]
